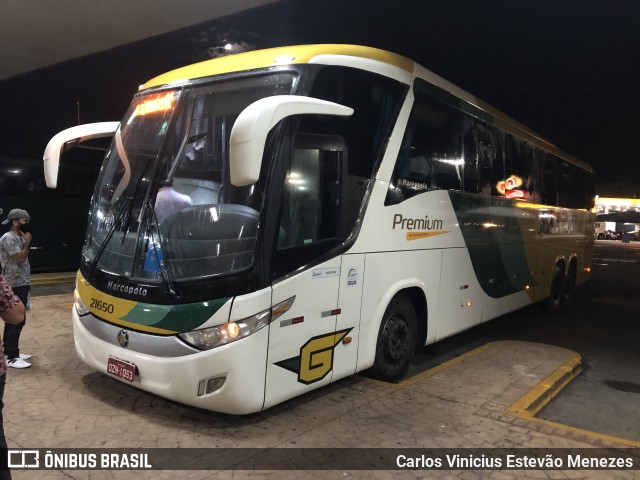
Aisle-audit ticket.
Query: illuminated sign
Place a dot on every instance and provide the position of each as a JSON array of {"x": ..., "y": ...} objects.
[
  {"x": 155, "y": 104},
  {"x": 509, "y": 187}
]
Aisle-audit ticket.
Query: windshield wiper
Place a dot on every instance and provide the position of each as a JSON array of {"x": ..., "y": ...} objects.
[
  {"x": 125, "y": 210},
  {"x": 165, "y": 275}
]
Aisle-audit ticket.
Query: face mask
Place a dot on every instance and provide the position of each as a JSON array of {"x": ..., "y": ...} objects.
[{"x": 25, "y": 227}]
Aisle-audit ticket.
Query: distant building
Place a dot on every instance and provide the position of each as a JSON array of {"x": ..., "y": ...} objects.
[
  {"x": 617, "y": 216},
  {"x": 607, "y": 205}
]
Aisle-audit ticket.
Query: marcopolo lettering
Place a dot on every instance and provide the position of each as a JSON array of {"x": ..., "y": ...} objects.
[
  {"x": 130, "y": 289},
  {"x": 415, "y": 223}
]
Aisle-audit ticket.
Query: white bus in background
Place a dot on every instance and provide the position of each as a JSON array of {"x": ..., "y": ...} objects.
[{"x": 269, "y": 222}]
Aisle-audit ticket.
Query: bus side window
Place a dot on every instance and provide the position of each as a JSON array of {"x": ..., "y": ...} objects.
[
  {"x": 519, "y": 160},
  {"x": 430, "y": 157}
]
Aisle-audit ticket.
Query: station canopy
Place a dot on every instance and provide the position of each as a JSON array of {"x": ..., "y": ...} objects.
[{"x": 39, "y": 34}]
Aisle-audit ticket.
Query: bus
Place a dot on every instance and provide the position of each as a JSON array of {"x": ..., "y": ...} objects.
[
  {"x": 269, "y": 222},
  {"x": 59, "y": 217}
]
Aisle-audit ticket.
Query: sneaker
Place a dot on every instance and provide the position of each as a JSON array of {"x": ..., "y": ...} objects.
[
  {"x": 17, "y": 363},
  {"x": 24, "y": 356}
]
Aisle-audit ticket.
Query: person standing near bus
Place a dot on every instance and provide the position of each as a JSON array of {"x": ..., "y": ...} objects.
[
  {"x": 14, "y": 256},
  {"x": 12, "y": 312}
]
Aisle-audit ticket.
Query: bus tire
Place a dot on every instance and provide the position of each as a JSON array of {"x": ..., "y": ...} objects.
[
  {"x": 569, "y": 284},
  {"x": 396, "y": 342},
  {"x": 556, "y": 294}
]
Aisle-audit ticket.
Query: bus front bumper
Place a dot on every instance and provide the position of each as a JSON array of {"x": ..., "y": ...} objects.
[{"x": 234, "y": 373}]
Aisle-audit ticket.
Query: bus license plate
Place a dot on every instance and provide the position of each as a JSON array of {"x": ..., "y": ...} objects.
[{"x": 121, "y": 369}]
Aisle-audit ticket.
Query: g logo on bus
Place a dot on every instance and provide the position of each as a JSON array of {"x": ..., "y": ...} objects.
[
  {"x": 316, "y": 357},
  {"x": 123, "y": 338}
]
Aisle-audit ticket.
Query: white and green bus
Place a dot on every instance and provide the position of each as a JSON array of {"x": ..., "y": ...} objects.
[{"x": 269, "y": 222}]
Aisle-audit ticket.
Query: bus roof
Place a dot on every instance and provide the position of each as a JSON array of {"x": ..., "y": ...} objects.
[
  {"x": 301, "y": 54},
  {"x": 274, "y": 56}
]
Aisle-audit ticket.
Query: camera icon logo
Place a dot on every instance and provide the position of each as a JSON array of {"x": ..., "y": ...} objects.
[{"x": 23, "y": 458}]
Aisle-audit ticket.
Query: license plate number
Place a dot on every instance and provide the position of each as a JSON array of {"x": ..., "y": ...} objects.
[{"x": 121, "y": 369}]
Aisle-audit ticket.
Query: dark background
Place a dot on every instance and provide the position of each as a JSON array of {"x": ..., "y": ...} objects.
[{"x": 568, "y": 69}]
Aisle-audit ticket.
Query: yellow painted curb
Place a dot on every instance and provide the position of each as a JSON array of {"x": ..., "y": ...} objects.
[
  {"x": 545, "y": 391},
  {"x": 51, "y": 279},
  {"x": 432, "y": 371},
  {"x": 535, "y": 400}
]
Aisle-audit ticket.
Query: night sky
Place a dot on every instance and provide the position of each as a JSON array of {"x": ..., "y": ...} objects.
[{"x": 568, "y": 69}]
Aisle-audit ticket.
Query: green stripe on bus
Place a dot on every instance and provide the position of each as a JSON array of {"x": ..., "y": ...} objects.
[
  {"x": 493, "y": 236},
  {"x": 177, "y": 318}
]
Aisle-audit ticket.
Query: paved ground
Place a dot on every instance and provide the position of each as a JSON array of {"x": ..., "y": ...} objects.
[
  {"x": 601, "y": 324},
  {"x": 472, "y": 401}
]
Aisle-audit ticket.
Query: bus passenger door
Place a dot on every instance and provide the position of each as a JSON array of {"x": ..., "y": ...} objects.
[{"x": 348, "y": 318}]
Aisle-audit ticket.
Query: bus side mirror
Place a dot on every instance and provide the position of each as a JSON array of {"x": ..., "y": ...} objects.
[
  {"x": 67, "y": 139},
  {"x": 249, "y": 132}
]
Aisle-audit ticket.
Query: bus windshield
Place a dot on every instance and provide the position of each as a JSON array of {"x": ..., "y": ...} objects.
[{"x": 164, "y": 208}]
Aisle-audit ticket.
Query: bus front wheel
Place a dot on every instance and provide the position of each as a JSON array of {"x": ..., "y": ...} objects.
[{"x": 396, "y": 342}]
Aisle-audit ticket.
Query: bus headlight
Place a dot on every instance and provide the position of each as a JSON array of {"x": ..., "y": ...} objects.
[
  {"x": 81, "y": 308},
  {"x": 212, "y": 337}
]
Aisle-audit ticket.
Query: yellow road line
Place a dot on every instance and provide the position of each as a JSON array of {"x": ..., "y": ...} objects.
[
  {"x": 432, "y": 371},
  {"x": 35, "y": 280},
  {"x": 443, "y": 366}
]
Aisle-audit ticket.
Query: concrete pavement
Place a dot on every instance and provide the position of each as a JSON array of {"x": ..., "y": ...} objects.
[{"x": 486, "y": 398}]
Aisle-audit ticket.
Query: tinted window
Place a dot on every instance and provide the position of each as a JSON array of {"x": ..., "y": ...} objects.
[
  {"x": 431, "y": 156},
  {"x": 331, "y": 164}
]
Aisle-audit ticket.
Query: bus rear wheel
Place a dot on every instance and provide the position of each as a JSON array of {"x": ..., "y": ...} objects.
[
  {"x": 396, "y": 340},
  {"x": 569, "y": 284},
  {"x": 557, "y": 290}
]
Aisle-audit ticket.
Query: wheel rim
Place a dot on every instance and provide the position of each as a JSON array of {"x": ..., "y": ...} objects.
[{"x": 395, "y": 339}]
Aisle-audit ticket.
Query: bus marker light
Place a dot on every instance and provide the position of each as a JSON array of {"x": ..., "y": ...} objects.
[
  {"x": 281, "y": 308},
  {"x": 346, "y": 340},
  {"x": 287, "y": 322},
  {"x": 79, "y": 304}
]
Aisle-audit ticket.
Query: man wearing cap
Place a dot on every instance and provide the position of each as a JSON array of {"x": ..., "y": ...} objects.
[{"x": 14, "y": 256}]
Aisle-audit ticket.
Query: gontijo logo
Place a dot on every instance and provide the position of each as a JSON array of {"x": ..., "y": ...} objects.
[
  {"x": 316, "y": 357},
  {"x": 418, "y": 227}
]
